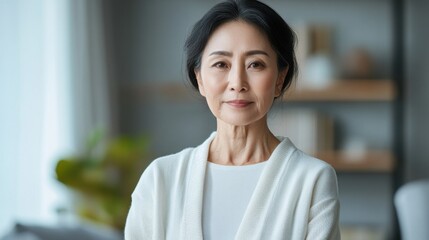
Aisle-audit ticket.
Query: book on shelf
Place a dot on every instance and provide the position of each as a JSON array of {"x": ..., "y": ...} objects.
[{"x": 309, "y": 130}]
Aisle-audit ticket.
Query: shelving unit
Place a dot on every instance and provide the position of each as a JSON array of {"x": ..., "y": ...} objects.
[
  {"x": 368, "y": 109},
  {"x": 346, "y": 91},
  {"x": 352, "y": 91},
  {"x": 374, "y": 161},
  {"x": 356, "y": 166}
]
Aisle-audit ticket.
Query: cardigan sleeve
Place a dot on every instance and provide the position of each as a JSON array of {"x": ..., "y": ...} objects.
[
  {"x": 139, "y": 223},
  {"x": 324, "y": 212}
]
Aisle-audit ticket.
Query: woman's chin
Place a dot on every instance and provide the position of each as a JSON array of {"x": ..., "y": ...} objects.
[{"x": 238, "y": 120}]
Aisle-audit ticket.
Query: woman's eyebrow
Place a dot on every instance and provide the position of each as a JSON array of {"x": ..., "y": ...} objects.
[
  {"x": 221, "y": 53},
  {"x": 248, "y": 53},
  {"x": 256, "y": 52}
]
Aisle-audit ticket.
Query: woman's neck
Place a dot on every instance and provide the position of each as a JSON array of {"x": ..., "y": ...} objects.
[{"x": 242, "y": 145}]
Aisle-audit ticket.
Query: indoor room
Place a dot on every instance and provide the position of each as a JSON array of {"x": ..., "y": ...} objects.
[{"x": 92, "y": 91}]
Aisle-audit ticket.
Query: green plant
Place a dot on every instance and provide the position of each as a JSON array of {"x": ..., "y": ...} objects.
[{"x": 104, "y": 176}]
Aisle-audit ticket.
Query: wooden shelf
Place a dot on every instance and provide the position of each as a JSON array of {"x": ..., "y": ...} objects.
[
  {"x": 345, "y": 90},
  {"x": 380, "y": 161}
]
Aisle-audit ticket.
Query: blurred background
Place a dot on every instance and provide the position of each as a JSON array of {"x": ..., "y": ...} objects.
[{"x": 92, "y": 91}]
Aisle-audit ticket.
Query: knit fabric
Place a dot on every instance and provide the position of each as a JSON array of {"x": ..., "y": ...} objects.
[{"x": 296, "y": 197}]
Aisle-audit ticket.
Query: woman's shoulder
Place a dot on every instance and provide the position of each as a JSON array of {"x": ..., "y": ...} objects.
[
  {"x": 171, "y": 161},
  {"x": 288, "y": 149},
  {"x": 313, "y": 172},
  {"x": 165, "y": 169},
  {"x": 181, "y": 161},
  {"x": 311, "y": 161},
  {"x": 316, "y": 172},
  {"x": 300, "y": 160}
]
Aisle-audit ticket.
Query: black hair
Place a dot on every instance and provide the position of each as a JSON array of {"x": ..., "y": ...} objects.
[{"x": 280, "y": 35}]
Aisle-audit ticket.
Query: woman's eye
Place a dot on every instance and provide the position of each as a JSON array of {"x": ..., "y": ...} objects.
[
  {"x": 220, "y": 65},
  {"x": 257, "y": 65}
]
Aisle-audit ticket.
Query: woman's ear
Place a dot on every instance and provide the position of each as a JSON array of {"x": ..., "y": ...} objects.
[
  {"x": 280, "y": 80},
  {"x": 200, "y": 82}
]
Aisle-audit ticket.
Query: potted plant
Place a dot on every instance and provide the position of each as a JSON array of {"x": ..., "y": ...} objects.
[{"x": 104, "y": 176}]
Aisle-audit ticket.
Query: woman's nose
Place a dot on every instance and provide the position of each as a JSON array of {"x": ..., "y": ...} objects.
[{"x": 238, "y": 80}]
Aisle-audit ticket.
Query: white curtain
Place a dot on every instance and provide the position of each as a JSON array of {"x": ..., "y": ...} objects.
[
  {"x": 54, "y": 90},
  {"x": 92, "y": 98}
]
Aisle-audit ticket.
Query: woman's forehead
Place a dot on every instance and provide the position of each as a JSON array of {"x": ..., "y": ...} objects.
[{"x": 238, "y": 36}]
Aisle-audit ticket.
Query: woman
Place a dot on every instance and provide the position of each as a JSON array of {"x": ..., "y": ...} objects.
[{"x": 242, "y": 182}]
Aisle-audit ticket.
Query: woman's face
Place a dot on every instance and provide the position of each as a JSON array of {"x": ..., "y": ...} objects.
[{"x": 239, "y": 76}]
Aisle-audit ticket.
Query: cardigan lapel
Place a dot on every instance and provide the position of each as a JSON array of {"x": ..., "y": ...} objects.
[
  {"x": 252, "y": 225},
  {"x": 253, "y": 221},
  {"x": 192, "y": 225}
]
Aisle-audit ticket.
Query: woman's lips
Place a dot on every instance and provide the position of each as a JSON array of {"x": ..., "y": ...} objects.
[{"x": 239, "y": 103}]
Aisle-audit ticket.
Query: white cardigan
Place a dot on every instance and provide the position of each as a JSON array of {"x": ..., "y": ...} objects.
[{"x": 295, "y": 198}]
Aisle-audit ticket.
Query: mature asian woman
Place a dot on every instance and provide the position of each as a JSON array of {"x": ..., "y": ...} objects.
[{"x": 243, "y": 182}]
